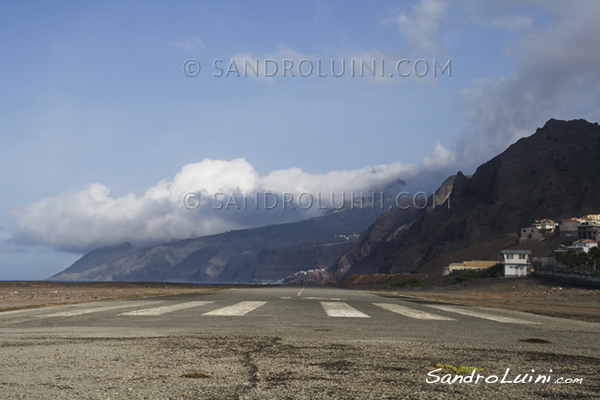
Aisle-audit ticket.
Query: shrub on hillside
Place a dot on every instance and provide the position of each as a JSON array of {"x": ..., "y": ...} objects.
[
  {"x": 495, "y": 271},
  {"x": 407, "y": 281}
]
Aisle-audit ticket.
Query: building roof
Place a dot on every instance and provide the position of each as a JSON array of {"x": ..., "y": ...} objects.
[
  {"x": 584, "y": 241},
  {"x": 515, "y": 251},
  {"x": 479, "y": 264},
  {"x": 544, "y": 221},
  {"x": 473, "y": 264}
]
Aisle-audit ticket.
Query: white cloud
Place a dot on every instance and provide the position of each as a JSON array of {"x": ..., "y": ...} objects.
[
  {"x": 421, "y": 25},
  {"x": 270, "y": 64},
  {"x": 190, "y": 44},
  {"x": 93, "y": 217},
  {"x": 440, "y": 158},
  {"x": 556, "y": 76}
]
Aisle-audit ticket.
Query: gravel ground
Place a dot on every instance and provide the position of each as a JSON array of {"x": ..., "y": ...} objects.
[
  {"x": 195, "y": 367},
  {"x": 275, "y": 368},
  {"x": 18, "y": 295},
  {"x": 520, "y": 294}
]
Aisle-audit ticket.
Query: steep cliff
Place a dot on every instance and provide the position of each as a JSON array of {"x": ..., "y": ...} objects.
[{"x": 555, "y": 173}]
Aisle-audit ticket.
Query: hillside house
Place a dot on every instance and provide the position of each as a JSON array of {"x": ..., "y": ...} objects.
[
  {"x": 579, "y": 246},
  {"x": 545, "y": 225},
  {"x": 568, "y": 227},
  {"x": 585, "y": 244},
  {"x": 595, "y": 217},
  {"x": 516, "y": 262},
  {"x": 530, "y": 233},
  {"x": 589, "y": 229}
]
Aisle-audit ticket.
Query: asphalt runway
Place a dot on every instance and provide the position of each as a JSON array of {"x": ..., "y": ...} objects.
[{"x": 289, "y": 342}]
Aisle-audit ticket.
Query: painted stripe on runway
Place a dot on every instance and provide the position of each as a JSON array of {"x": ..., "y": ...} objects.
[
  {"x": 167, "y": 309},
  {"x": 339, "y": 309},
  {"x": 411, "y": 312},
  {"x": 477, "y": 314},
  {"x": 238, "y": 309},
  {"x": 73, "y": 313}
]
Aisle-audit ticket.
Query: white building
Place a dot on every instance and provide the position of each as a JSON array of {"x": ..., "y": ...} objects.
[
  {"x": 592, "y": 217},
  {"x": 584, "y": 245},
  {"x": 545, "y": 224},
  {"x": 516, "y": 262}
]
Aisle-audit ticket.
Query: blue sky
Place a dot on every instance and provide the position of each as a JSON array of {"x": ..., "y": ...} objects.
[{"x": 103, "y": 133}]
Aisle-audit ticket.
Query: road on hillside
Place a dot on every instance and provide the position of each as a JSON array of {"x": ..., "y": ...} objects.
[{"x": 265, "y": 342}]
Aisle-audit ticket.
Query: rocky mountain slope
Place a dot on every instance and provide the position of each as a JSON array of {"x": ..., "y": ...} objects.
[
  {"x": 555, "y": 173},
  {"x": 266, "y": 254}
]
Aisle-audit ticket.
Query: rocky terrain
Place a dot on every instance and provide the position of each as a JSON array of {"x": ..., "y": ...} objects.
[
  {"x": 234, "y": 367},
  {"x": 18, "y": 295},
  {"x": 532, "y": 295}
]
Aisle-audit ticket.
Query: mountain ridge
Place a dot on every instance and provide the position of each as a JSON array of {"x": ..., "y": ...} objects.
[
  {"x": 236, "y": 256},
  {"x": 550, "y": 174}
]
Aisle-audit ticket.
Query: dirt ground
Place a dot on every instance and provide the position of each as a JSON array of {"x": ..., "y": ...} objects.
[
  {"x": 521, "y": 294},
  {"x": 18, "y": 295}
]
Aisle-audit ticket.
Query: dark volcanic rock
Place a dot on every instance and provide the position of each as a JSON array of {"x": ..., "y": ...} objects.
[
  {"x": 368, "y": 255},
  {"x": 554, "y": 173}
]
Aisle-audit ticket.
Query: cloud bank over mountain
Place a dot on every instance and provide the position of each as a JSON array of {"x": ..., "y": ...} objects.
[{"x": 207, "y": 197}]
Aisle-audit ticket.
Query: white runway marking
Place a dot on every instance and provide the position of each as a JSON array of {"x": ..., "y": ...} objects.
[
  {"x": 476, "y": 314},
  {"x": 73, "y": 313},
  {"x": 300, "y": 292},
  {"x": 238, "y": 309},
  {"x": 411, "y": 313},
  {"x": 167, "y": 309},
  {"x": 337, "y": 309}
]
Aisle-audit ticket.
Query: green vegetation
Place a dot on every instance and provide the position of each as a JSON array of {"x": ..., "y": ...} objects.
[
  {"x": 580, "y": 262},
  {"x": 458, "y": 370},
  {"x": 468, "y": 276},
  {"x": 407, "y": 281}
]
